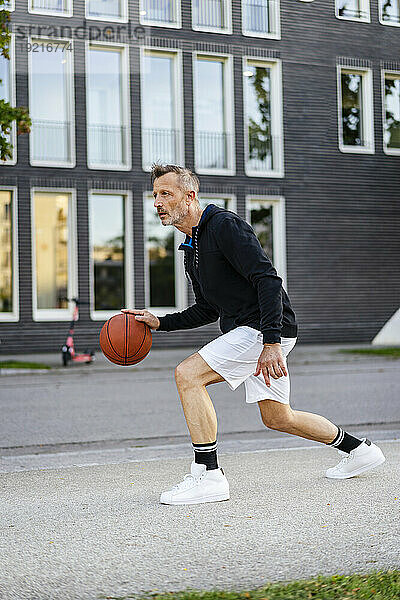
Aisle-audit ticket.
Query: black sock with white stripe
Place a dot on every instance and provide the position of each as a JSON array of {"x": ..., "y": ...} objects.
[
  {"x": 206, "y": 454},
  {"x": 346, "y": 442}
]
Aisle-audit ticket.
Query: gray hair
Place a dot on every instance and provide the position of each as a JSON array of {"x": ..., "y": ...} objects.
[{"x": 188, "y": 181}]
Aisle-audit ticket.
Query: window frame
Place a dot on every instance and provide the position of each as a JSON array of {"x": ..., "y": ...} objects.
[
  {"x": 12, "y": 101},
  {"x": 56, "y": 314},
  {"x": 42, "y": 11},
  {"x": 364, "y": 7},
  {"x": 276, "y": 33},
  {"x": 180, "y": 280},
  {"x": 178, "y": 104},
  {"x": 13, "y": 316},
  {"x": 278, "y": 232},
  {"x": 381, "y": 20},
  {"x": 227, "y": 30},
  {"x": 367, "y": 110},
  {"x": 177, "y": 25},
  {"x": 229, "y": 106},
  {"x": 276, "y": 115},
  {"x": 384, "y": 73},
  {"x": 103, "y": 315},
  {"x": 123, "y": 19},
  {"x": 70, "y": 100},
  {"x": 125, "y": 92}
]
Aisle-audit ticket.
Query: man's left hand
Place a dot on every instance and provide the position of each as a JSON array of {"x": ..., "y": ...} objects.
[{"x": 271, "y": 363}]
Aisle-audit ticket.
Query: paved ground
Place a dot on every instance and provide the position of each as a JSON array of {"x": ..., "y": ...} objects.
[
  {"x": 86, "y": 451},
  {"x": 92, "y": 532}
]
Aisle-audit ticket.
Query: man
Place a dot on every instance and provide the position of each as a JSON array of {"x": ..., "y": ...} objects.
[{"x": 234, "y": 281}]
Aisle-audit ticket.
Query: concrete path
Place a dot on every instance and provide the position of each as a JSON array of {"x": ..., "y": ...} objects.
[{"x": 92, "y": 532}]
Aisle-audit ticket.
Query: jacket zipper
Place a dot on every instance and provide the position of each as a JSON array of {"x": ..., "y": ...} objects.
[{"x": 196, "y": 250}]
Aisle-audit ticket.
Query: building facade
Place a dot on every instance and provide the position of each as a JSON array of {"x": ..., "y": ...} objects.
[{"x": 289, "y": 112}]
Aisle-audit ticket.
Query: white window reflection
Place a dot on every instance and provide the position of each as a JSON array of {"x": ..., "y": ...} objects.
[
  {"x": 161, "y": 134},
  {"x": 266, "y": 215},
  {"x": 52, "y": 237},
  {"x": 106, "y": 9},
  {"x": 107, "y": 232},
  {"x": 260, "y": 18},
  {"x": 391, "y": 123},
  {"x": 58, "y": 7},
  {"x": 390, "y": 12},
  {"x": 160, "y": 260},
  {"x": 210, "y": 14},
  {"x": 7, "y": 93},
  {"x": 159, "y": 12},
  {"x": 352, "y": 115},
  {"x": 261, "y": 220},
  {"x": 260, "y": 141},
  {"x": 108, "y": 142},
  {"x": 353, "y": 9},
  {"x": 51, "y": 104},
  {"x": 6, "y": 253},
  {"x": 212, "y": 127}
]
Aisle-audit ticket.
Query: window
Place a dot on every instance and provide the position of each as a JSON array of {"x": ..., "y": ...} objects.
[
  {"x": 164, "y": 273},
  {"x": 108, "y": 132},
  {"x": 107, "y": 10},
  {"x": 353, "y": 10},
  {"x": 51, "y": 102},
  {"x": 7, "y": 93},
  {"x": 389, "y": 12},
  {"x": 62, "y": 8},
  {"x": 165, "y": 13},
  {"x": 263, "y": 118},
  {"x": 229, "y": 202},
  {"x": 54, "y": 260},
  {"x": 8, "y": 5},
  {"x": 356, "y": 132},
  {"x": 212, "y": 15},
  {"x": 8, "y": 256},
  {"x": 162, "y": 110},
  {"x": 111, "y": 253},
  {"x": 260, "y": 18},
  {"x": 391, "y": 112},
  {"x": 266, "y": 215},
  {"x": 213, "y": 114}
]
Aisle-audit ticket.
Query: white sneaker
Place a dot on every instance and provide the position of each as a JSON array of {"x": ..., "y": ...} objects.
[
  {"x": 361, "y": 459},
  {"x": 198, "y": 487}
]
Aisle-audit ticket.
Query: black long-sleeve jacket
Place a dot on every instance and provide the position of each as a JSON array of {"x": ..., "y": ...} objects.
[{"x": 233, "y": 280}]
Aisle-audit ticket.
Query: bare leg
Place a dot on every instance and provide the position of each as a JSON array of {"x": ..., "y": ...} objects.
[
  {"x": 192, "y": 376},
  {"x": 282, "y": 417}
]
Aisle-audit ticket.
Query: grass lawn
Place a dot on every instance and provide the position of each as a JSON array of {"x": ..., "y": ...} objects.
[
  {"x": 19, "y": 364},
  {"x": 378, "y": 585},
  {"x": 391, "y": 352}
]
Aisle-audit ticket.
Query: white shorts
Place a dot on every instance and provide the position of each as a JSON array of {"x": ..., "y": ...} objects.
[{"x": 234, "y": 356}]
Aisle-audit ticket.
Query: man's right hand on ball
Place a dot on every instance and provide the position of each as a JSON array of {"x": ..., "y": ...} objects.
[{"x": 143, "y": 315}]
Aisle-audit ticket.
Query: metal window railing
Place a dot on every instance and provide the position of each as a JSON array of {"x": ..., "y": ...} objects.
[
  {"x": 107, "y": 145},
  {"x": 209, "y": 13},
  {"x": 263, "y": 152},
  {"x": 55, "y": 5},
  {"x": 51, "y": 141},
  {"x": 212, "y": 150},
  {"x": 160, "y": 145},
  {"x": 160, "y": 11},
  {"x": 259, "y": 15}
]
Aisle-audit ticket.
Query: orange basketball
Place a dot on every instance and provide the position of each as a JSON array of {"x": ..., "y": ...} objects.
[{"x": 125, "y": 341}]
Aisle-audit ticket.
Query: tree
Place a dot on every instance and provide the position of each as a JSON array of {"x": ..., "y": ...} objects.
[{"x": 8, "y": 113}]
